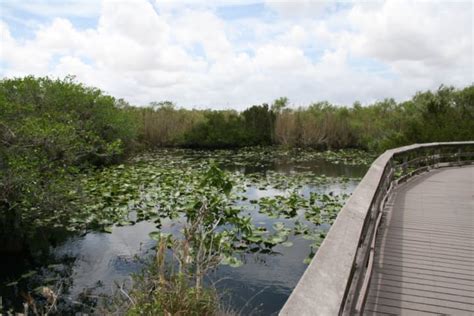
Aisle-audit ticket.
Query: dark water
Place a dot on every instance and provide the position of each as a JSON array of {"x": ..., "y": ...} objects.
[{"x": 95, "y": 262}]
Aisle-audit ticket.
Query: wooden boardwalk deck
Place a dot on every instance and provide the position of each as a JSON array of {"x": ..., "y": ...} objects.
[{"x": 424, "y": 262}]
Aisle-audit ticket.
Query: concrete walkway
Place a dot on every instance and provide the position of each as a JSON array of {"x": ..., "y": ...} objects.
[{"x": 424, "y": 262}]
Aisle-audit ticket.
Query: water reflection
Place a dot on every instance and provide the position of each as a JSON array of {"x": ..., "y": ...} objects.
[
  {"x": 317, "y": 166},
  {"x": 107, "y": 257},
  {"x": 266, "y": 280}
]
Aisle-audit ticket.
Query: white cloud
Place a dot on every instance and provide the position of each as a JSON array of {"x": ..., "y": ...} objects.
[
  {"x": 295, "y": 36},
  {"x": 418, "y": 39},
  {"x": 401, "y": 30},
  {"x": 22, "y": 58},
  {"x": 298, "y": 8},
  {"x": 59, "y": 36},
  {"x": 185, "y": 52},
  {"x": 76, "y": 66},
  {"x": 136, "y": 20},
  {"x": 206, "y": 29},
  {"x": 275, "y": 58}
]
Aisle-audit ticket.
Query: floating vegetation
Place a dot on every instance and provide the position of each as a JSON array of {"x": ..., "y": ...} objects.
[
  {"x": 348, "y": 156},
  {"x": 262, "y": 156},
  {"x": 166, "y": 184}
]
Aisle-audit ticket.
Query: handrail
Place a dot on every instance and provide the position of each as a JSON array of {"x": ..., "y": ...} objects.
[{"x": 337, "y": 279}]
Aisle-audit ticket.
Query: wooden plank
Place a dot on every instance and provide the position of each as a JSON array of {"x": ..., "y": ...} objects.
[
  {"x": 434, "y": 251},
  {"x": 375, "y": 309},
  {"x": 429, "y": 261},
  {"x": 438, "y": 230},
  {"x": 406, "y": 242},
  {"x": 433, "y": 236},
  {"x": 423, "y": 253},
  {"x": 445, "y": 281},
  {"x": 432, "y": 223},
  {"x": 430, "y": 227},
  {"x": 436, "y": 296},
  {"x": 420, "y": 304},
  {"x": 420, "y": 266},
  {"x": 438, "y": 276},
  {"x": 428, "y": 286}
]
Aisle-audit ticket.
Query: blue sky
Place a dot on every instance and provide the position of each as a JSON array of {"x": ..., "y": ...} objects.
[{"x": 232, "y": 54}]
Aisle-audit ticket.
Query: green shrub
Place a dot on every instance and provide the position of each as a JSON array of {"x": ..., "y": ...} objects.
[{"x": 49, "y": 131}]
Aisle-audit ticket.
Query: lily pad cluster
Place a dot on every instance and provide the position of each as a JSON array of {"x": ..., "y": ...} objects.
[
  {"x": 263, "y": 156},
  {"x": 283, "y": 181},
  {"x": 169, "y": 183},
  {"x": 319, "y": 208},
  {"x": 347, "y": 156}
]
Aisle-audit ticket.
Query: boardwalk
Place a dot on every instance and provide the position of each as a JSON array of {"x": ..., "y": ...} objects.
[{"x": 424, "y": 260}]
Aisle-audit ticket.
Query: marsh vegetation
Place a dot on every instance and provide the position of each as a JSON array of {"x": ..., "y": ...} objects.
[
  {"x": 194, "y": 203},
  {"x": 260, "y": 204}
]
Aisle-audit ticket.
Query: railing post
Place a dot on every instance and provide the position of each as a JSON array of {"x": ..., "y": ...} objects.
[
  {"x": 437, "y": 158},
  {"x": 405, "y": 165},
  {"x": 459, "y": 155},
  {"x": 427, "y": 159}
]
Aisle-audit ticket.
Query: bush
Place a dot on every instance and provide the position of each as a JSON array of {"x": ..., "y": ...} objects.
[{"x": 49, "y": 131}]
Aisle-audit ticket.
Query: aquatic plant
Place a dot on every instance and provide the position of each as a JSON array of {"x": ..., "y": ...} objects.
[{"x": 174, "y": 282}]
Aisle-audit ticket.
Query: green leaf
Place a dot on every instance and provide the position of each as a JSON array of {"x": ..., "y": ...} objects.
[
  {"x": 28, "y": 274},
  {"x": 279, "y": 226},
  {"x": 232, "y": 261},
  {"x": 156, "y": 235},
  {"x": 107, "y": 229},
  {"x": 254, "y": 239},
  {"x": 307, "y": 260}
]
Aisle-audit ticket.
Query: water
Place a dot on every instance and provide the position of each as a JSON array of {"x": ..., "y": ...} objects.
[{"x": 95, "y": 262}]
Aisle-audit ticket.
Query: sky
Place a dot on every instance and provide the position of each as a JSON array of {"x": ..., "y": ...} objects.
[{"x": 233, "y": 54}]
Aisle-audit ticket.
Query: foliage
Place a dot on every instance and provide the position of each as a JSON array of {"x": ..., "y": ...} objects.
[
  {"x": 219, "y": 130},
  {"x": 444, "y": 115},
  {"x": 164, "y": 183},
  {"x": 163, "y": 289},
  {"x": 200, "y": 248},
  {"x": 49, "y": 131},
  {"x": 170, "y": 296},
  {"x": 180, "y": 184},
  {"x": 161, "y": 124},
  {"x": 259, "y": 122}
]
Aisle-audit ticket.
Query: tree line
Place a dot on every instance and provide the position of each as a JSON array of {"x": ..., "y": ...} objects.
[{"x": 446, "y": 114}]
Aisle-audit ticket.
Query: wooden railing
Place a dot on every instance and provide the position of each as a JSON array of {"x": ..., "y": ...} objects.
[{"x": 337, "y": 280}]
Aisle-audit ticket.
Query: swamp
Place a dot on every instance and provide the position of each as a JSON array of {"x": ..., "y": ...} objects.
[
  {"x": 192, "y": 158},
  {"x": 278, "y": 205},
  {"x": 110, "y": 208}
]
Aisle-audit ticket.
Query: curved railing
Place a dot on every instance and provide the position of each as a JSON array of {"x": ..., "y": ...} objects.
[{"x": 336, "y": 281}]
